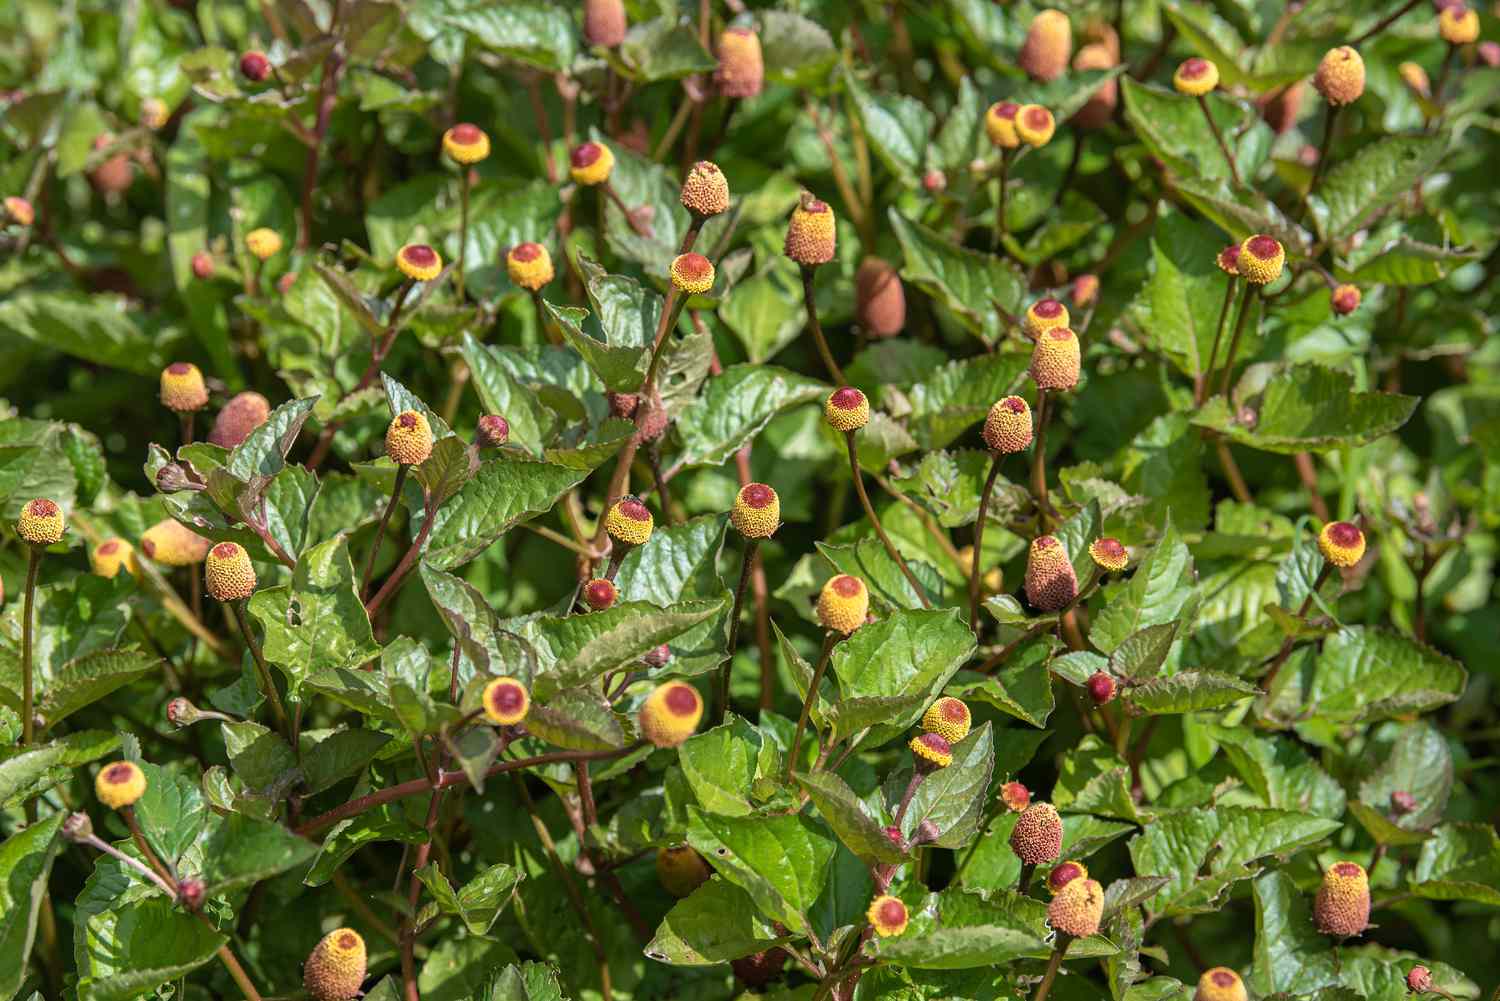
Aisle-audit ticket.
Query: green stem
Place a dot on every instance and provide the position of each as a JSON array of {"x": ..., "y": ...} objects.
[
  {"x": 263, "y": 673},
  {"x": 1000, "y": 231},
  {"x": 829, "y": 639},
  {"x": 669, "y": 316},
  {"x": 1039, "y": 461},
  {"x": 747, "y": 565},
  {"x": 390, "y": 507},
  {"x": 975, "y": 571},
  {"x": 463, "y": 231},
  {"x": 1213, "y": 127},
  {"x": 1206, "y": 373},
  {"x": 864, "y": 499},
  {"x": 33, "y": 567},
  {"x": 1234, "y": 342},
  {"x": 810, "y": 302}
]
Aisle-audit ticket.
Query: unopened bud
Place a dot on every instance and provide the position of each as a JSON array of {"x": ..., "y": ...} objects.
[
  {"x": 190, "y": 893},
  {"x": 78, "y": 827}
]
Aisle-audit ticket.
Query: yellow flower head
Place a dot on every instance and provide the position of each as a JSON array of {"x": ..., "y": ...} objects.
[
  {"x": 1342, "y": 905},
  {"x": 757, "y": 511},
  {"x": 1195, "y": 77},
  {"x": 1220, "y": 984},
  {"x": 1050, "y": 580},
  {"x": 336, "y": 968},
  {"x": 1064, "y": 873},
  {"x": 847, "y": 409},
  {"x": 1035, "y": 125},
  {"x": 1077, "y": 909},
  {"x": 812, "y": 234},
  {"x": 1341, "y": 543},
  {"x": 1228, "y": 260},
  {"x": 1048, "y": 46},
  {"x": 1044, "y": 315},
  {"x": 600, "y": 593},
  {"x": 1037, "y": 836},
  {"x": 419, "y": 262},
  {"x": 506, "y": 701},
  {"x": 1415, "y": 77},
  {"x": 1261, "y": 259},
  {"x": 948, "y": 718},
  {"x": 591, "y": 163},
  {"x": 1000, "y": 124},
  {"x": 604, "y": 22},
  {"x": 182, "y": 388},
  {"x": 879, "y": 298},
  {"x": 1341, "y": 76},
  {"x": 1109, "y": 554},
  {"x": 692, "y": 273},
  {"x": 173, "y": 544},
  {"x": 228, "y": 573},
  {"x": 408, "y": 439},
  {"x": 1056, "y": 359},
  {"x": 19, "y": 210},
  {"x": 705, "y": 192},
  {"x": 41, "y": 522},
  {"x": 466, "y": 143},
  {"x": 119, "y": 784},
  {"x": 492, "y": 431},
  {"x": 1085, "y": 290},
  {"x": 1345, "y": 299},
  {"x": 154, "y": 113},
  {"x": 1458, "y": 24},
  {"x": 887, "y": 915},
  {"x": 1007, "y": 428},
  {"x": 1015, "y": 796},
  {"x": 742, "y": 67},
  {"x": 931, "y": 751},
  {"x": 241, "y": 415},
  {"x": 671, "y": 714},
  {"x": 681, "y": 870},
  {"x": 629, "y": 522},
  {"x": 111, "y": 556},
  {"x": 529, "y": 265},
  {"x": 843, "y": 604},
  {"x": 263, "y": 243}
]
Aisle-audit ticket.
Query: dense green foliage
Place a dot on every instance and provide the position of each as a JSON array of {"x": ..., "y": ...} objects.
[{"x": 1219, "y": 724}]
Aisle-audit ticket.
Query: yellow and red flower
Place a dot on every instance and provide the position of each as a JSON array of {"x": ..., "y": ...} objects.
[{"x": 843, "y": 604}]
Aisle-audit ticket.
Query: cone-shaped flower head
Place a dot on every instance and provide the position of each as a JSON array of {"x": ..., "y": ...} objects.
[
  {"x": 1345, "y": 299},
  {"x": 600, "y": 593},
  {"x": 1261, "y": 259},
  {"x": 879, "y": 298},
  {"x": 843, "y": 604},
  {"x": 492, "y": 431},
  {"x": 1101, "y": 687},
  {"x": 1489, "y": 53},
  {"x": 1035, "y": 125},
  {"x": 1000, "y": 124},
  {"x": 1342, "y": 905},
  {"x": 812, "y": 234},
  {"x": 1077, "y": 909},
  {"x": 255, "y": 66},
  {"x": 1415, "y": 77},
  {"x": 1458, "y": 24},
  {"x": 41, "y": 522},
  {"x": 228, "y": 573},
  {"x": 336, "y": 968},
  {"x": 111, "y": 556},
  {"x": 242, "y": 414},
  {"x": 1341, "y": 543},
  {"x": 1056, "y": 359},
  {"x": 1229, "y": 260},
  {"x": 692, "y": 273},
  {"x": 706, "y": 191},
  {"x": 1341, "y": 76},
  {"x": 1064, "y": 873},
  {"x": 1008, "y": 426},
  {"x": 1085, "y": 290},
  {"x": 154, "y": 113},
  {"x": 1099, "y": 110},
  {"x": 466, "y": 143},
  {"x": 506, "y": 701},
  {"x": 1037, "y": 836},
  {"x": 847, "y": 409},
  {"x": 681, "y": 870},
  {"x": 173, "y": 544},
  {"x": 529, "y": 265},
  {"x": 1220, "y": 984},
  {"x": 1015, "y": 796},
  {"x": 1050, "y": 580},
  {"x": 408, "y": 439},
  {"x": 948, "y": 718},
  {"x": 757, "y": 511},
  {"x": 19, "y": 210},
  {"x": 203, "y": 265},
  {"x": 1419, "y": 979},
  {"x": 604, "y": 22},
  {"x": 1048, "y": 46},
  {"x": 1196, "y": 77},
  {"x": 182, "y": 388},
  {"x": 742, "y": 68},
  {"x": 931, "y": 751},
  {"x": 590, "y": 163},
  {"x": 263, "y": 243},
  {"x": 671, "y": 714},
  {"x": 1044, "y": 315},
  {"x": 1109, "y": 554},
  {"x": 629, "y": 522},
  {"x": 887, "y": 915},
  {"x": 119, "y": 784},
  {"x": 419, "y": 262}
]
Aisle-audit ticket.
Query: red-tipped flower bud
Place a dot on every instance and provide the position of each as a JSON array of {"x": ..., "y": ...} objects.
[
  {"x": 1077, "y": 909},
  {"x": 255, "y": 66},
  {"x": 671, "y": 714}
]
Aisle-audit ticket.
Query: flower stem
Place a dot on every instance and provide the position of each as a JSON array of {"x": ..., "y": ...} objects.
[
  {"x": 1213, "y": 127},
  {"x": 810, "y": 301},
  {"x": 1200, "y": 384},
  {"x": 263, "y": 673},
  {"x": 1328, "y": 125},
  {"x": 1039, "y": 461},
  {"x": 1290, "y": 641},
  {"x": 829, "y": 639},
  {"x": 1024, "y": 882},
  {"x": 390, "y": 507},
  {"x": 33, "y": 567},
  {"x": 864, "y": 499},
  {"x": 1000, "y": 231},
  {"x": 747, "y": 564},
  {"x": 974, "y": 569},
  {"x": 1053, "y": 964},
  {"x": 127, "y": 813},
  {"x": 1234, "y": 342},
  {"x": 463, "y": 231},
  {"x": 640, "y": 228},
  {"x": 911, "y": 790},
  {"x": 393, "y": 582},
  {"x": 99, "y": 844}
]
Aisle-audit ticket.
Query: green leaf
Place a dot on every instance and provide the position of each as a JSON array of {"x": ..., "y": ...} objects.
[
  {"x": 1281, "y": 773},
  {"x": 1420, "y": 765},
  {"x": 897, "y": 127},
  {"x": 1380, "y": 827},
  {"x": 797, "y": 51},
  {"x": 952, "y": 798},
  {"x": 1365, "y": 674},
  {"x": 766, "y": 311},
  {"x": 1391, "y": 255},
  {"x": 577, "y": 719},
  {"x": 507, "y": 490},
  {"x": 1189, "y": 691},
  {"x": 1092, "y": 778},
  {"x": 1155, "y": 593},
  {"x": 85, "y": 680},
  {"x": 96, "y": 327},
  {"x": 483, "y": 898},
  {"x": 869, "y": 560},
  {"x": 967, "y": 283},
  {"x": 908, "y": 653},
  {"x": 780, "y": 860},
  {"x": 528, "y": 31},
  {"x": 720, "y": 766},
  {"x": 628, "y": 314},
  {"x": 1356, "y": 189},
  {"x": 172, "y": 811},
  {"x": 1290, "y": 955},
  {"x": 447, "y": 469},
  {"x": 960, "y": 394},
  {"x": 861, "y": 833},
  {"x": 944, "y": 948},
  {"x": 24, "y": 774},
  {"x": 677, "y": 562},
  {"x": 664, "y": 49},
  {"x": 1306, "y": 408},
  {"x": 1175, "y": 130},
  {"x": 1022, "y": 687},
  {"x": 240, "y": 851},
  {"x": 25, "y": 864},
  {"x": 263, "y": 454},
  {"x": 1181, "y": 305},
  {"x": 339, "y": 755},
  {"x": 735, "y": 406},
  {"x": 715, "y": 923}
]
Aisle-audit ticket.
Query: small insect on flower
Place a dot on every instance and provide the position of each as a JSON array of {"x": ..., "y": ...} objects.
[
  {"x": 506, "y": 701},
  {"x": 173, "y": 544},
  {"x": 1044, "y": 315},
  {"x": 692, "y": 273},
  {"x": 1419, "y": 979},
  {"x": 182, "y": 388},
  {"x": 408, "y": 439},
  {"x": 119, "y": 784},
  {"x": 1109, "y": 554},
  {"x": 1035, "y": 125},
  {"x": 757, "y": 511},
  {"x": 1050, "y": 580},
  {"x": 847, "y": 409},
  {"x": 949, "y": 718},
  {"x": 1342, "y": 905},
  {"x": 591, "y": 163},
  {"x": 1195, "y": 77},
  {"x": 255, "y": 66},
  {"x": 1037, "y": 836},
  {"x": 1261, "y": 259},
  {"x": 1342, "y": 544},
  {"x": 419, "y": 262},
  {"x": 671, "y": 713},
  {"x": 705, "y": 193},
  {"x": 1220, "y": 984},
  {"x": 241, "y": 415},
  {"x": 1000, "y": 124},
  {"x": 1056, "y": 359},
  {"x": 1101, "y": 688},
  {"x": 492, "y": 431},
  {"x": 228, "y": 573},
  {"x": 263, "y": 243},
  {"x": 887, "y": 915},
  {"x": 1345, "y": 299},
  {"x": 1341, "y": 76},
  {"x": 629, "y": 522},
  {"x": 1064, "y": 873},
  {"x": 1048, "y": 46},
  {"x": 843, "y": 604},
  {"x": 111, "y": 556},
  {"x": 600, "y": 593},
  {"x": 931, "y": 751},
  {"x": 1228, "y": 260},
  {"x": 19, "y": 211},
  {"x": 681, "y": 870},
  {"x": 812, "y": 233},
  {"x": 742, "y": 67},
  {"x": 466, "y": 143},
  {"x": 41, "y": 522},
  {"x": 604, "y": 22},
  {"x": 1077, "y": 909},
  {"x": 336, "y": 968},
  {"x": 1458, "y": 24},
  {"x": 879, "y": 298},
  {"x": 529, "y": 265},
  {"x": 1015, "y": 796},
  {"x": 1008, "y": 426}
]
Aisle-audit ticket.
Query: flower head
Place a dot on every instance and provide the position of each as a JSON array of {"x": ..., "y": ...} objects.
[
  {"x": 1048, "y": 46},
  {"x": 1044, "y": 315},
  {"x": 182, "y": 388},
  {"x": 1000, "y": 124},
  {"x": 228, "y": 573},
  {"x": 1056, "y": 359},
  {"x": 600, "y": 593},
  {"x": 1261, "y": 259},
  {"x": 1008, "y": 427},
  {"x": 659, "y": 656},
  {"x": 1220, "y": 984},
  {"x": 1489, "y": 53},
  {"x": 264, "y": 243},
  {"x": 843, "y": 604},
  {"x": 812, "y": 233},
  {"x": 1064, "y": 873},
  {"x": 529, "y": 265},
  {"x": 757, "y": 511},
  {"x": 1195, "y": 77},
  {"x": 492, "y": 431},
  {"x": 1109, "y": 554},
  {"x": 847, "y": 409},
  {"x": 111, "y": 556},
  {"x": 931, "y": 751},
  {"x": 506, "y": 701},
  {"x": 1415, "y": 77},
  {"x": 604, "y": 22},
  {"x": 1402, "y": 802},
  {"x": 255, "y": 66},
  {"x": 241, "y": 415},
  {"x": 419, "y": 262},
  {"x": 879, "y": 298},
  {"x": 1015, "y": 796},
  {"x": 1037, "y": 836},
  {"x": 19, "y": 211},
  {"x": 1085, "y": 289},
  {"x": 408, "y": 439},
  {"x": 1342, "y": 905},
  {"x": 41, "y": 522},
  {"x": 948, "y": 718},
  {"x": 887, "y": 915},
  {"x": 1101, "y": 687},
  {"x": 154, "y": 113},
  {"x": 119, "y": 784},
  {"x": 705, "y": 192},
  {"x": 1228, "y": 260},
  {"x": 692, "y": 273},
  {"x": 681, "y": 870},
  {"x": 466, "y": 143},
  {"x": 671, "y": 714},
  {"x": 203, "y": 265},
  {"x": 336, "y": 968},
  {"x": 1035, "y": 125},
  {"x": 1099, "y": 110},
  {"x": 1345, "y": 299},
  {"x": 590, "y": 163},
  {"x": 1342, "y": 544},
  {"x": 1458, "y": 24},
  {"x": 1419, "y": 979},
  {"x": 742, "y": 68},
  {"x": 629, "y": 522},
  {"x": 1050, "y": 581},
  {"x": 1341, "y": 76},
  {"x": 173, "y": 544},
  {"x": 1077, "y": 909}
]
